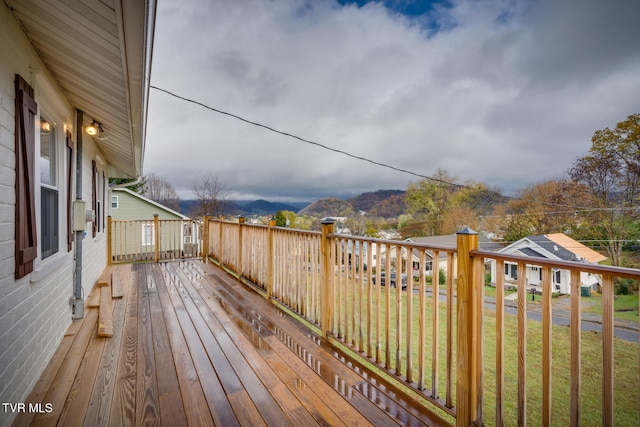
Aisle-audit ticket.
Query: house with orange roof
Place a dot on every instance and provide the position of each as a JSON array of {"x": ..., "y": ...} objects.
[{"x": 556, "y": 246}]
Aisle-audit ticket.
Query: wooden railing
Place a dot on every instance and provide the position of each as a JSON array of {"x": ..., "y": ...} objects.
[
  {"x": 425, "y": 325},
  {"x": 607, "y": 276},
  {"x": 432, "y": 337},
  {"x": 152, "y": 240}
]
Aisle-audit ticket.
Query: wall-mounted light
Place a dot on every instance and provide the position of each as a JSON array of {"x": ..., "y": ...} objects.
[
  {"x": 95, "y": 128},
  {"x": 45, "y": 127}
]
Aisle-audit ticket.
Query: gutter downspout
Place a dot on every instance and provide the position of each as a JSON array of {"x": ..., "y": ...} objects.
[{"x": 77, "y": 302}]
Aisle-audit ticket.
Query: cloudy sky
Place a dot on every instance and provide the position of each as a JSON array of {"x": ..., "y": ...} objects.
[{"x": 504, "y": 92}]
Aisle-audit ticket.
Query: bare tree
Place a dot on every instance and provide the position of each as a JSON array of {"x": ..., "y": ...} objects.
[
  {"x": 212, "y": 195},
  {"x": 160, "y": 190}
]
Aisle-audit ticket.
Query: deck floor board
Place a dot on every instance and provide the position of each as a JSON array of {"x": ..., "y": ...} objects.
[{"x": 193, "y": 346}]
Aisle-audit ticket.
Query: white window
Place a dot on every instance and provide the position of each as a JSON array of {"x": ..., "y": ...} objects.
[
  {"x": 114, "y": 202},
  {"x": 511, "y": 270},
  {"x": 49, "y": 217},
  {"x": 188, "y": 233},
  {"x": 147, "y": 234}
]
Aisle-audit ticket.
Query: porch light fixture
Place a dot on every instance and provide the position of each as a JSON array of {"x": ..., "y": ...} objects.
[
  {"x": 95, "y": 128},
  {"x": 92, "y": 129}
]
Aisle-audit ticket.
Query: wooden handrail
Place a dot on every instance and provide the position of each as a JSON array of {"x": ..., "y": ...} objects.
[{"x": 631, "y": 273}]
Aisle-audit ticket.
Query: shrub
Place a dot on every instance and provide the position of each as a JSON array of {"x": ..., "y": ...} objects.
[
  {"x": 487, "y": 278},
  {"x": 626, "y": 286}
]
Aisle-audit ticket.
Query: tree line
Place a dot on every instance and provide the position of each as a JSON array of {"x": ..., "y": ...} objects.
[{"x": 597, "y": 201}]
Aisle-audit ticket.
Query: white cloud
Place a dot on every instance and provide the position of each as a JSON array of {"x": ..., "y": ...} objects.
[{"x": 507, "y": 93}]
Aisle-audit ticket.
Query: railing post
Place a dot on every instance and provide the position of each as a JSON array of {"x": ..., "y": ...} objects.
[
  {"x": 205, "y": 238},
  {"x": 157, "y": 235},
  {"x": 270, "y": 260},
  {"x": 469, "y": 330},
  {"x": 240, "y": 225},
  {"x": 326, "y": 296},
  {"x": 109, "y": 247}
]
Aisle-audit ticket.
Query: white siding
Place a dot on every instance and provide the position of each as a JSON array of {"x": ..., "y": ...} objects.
[{"x": 35, "y": 310}]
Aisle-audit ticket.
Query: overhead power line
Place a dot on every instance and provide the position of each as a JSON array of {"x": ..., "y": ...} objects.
[
  {"x": 374, "y": 162},
  {"x": 335, "y": 150}
]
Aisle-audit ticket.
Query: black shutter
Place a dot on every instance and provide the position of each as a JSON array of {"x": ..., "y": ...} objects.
[{"x": 26, "y": 244}]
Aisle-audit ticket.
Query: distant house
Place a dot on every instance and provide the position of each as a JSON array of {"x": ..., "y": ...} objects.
[
  {"x": 445, "y": 241},
  {"x": 135, "y": 232},
  {"x": 556, "y": 246},
  {"x": 129, "y": 205}
]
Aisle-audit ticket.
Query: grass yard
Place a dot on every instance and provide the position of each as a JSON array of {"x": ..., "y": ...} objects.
[
  {"x": 624, "y": 306},
  {"x": 626, "y": 359}
]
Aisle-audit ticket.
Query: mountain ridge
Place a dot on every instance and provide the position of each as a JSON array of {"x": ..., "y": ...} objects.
[{"x": 384, "y": 203}]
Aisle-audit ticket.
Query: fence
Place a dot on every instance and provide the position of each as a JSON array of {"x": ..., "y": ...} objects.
[
  {"x": 153, "y": 240},
  {"x": 385, "y": 300}
]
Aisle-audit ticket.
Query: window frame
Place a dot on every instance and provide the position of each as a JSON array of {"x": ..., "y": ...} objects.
[
  {"x": 49, "y": 209},
  {"x": 117, "y": 200},
  {"x": 145, "y": 238}
]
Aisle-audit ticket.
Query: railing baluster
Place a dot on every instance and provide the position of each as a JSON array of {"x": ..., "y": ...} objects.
[
  {"x": 378, "y": 304},
  {"x": 449, "y": 336},
  {"x": 546, "y": 346},
  {"x": 478, "y": 300},
  {"x": 369, "y": 297},
  {"x": 576, "y": 353},
  {"x": 499, "y": 343},
  {"x": 409, "y": 317},
  {"x": 352, "y": 267},
  {"x": 607, "y": 350},
  {"x": 341, "y": 316},
  {"x": 361, "y": 308},
  {"x": 435, "y": 320},
  {"x": 387, "y": 294},
  {"x": 398, "y": 313},
  {"x": 422, "y": 318},
  {"x": 522, "y": 345}
]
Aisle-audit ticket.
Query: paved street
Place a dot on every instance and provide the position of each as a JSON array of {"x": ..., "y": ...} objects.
[{"x": 626, "y": 330}]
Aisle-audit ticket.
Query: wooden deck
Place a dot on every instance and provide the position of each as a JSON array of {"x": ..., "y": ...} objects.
[{"x": 193, "y": 346}]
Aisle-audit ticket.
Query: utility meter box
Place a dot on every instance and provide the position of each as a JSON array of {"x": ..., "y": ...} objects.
[{"x": 79, "y": 216}]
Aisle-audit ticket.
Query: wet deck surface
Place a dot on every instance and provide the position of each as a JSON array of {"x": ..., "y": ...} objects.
[{"x": 193, "y": 346}]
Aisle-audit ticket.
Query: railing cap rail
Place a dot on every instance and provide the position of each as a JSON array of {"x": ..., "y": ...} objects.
[
  {"x": 403, "y": 243},
  {"x": 632, "y": 273}
]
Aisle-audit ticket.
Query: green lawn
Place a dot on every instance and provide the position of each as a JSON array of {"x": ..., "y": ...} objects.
[
  {"x": 624, "y": 306},
  {"x": 626, "y": 360}
]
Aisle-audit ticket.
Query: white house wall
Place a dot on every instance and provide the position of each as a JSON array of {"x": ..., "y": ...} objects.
[{"x": 35, "y": 310}]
